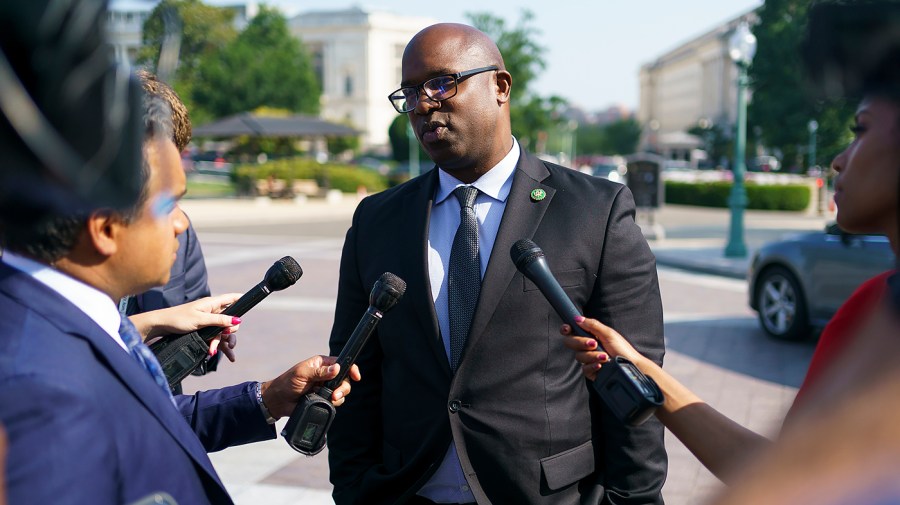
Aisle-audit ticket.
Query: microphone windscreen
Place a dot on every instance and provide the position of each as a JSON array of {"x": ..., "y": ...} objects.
[
  {"x": 284, "y": 273},
  {"x": 387, "y": 292},
  {"x": 524, "y": 251}
]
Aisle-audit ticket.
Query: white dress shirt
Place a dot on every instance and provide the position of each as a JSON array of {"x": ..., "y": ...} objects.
[
  {"x": 96, "y": 304},
  {"x": 448, "y": 484}
]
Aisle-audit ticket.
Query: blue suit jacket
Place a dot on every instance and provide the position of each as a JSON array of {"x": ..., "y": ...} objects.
[{"x": 87, "y": 424}]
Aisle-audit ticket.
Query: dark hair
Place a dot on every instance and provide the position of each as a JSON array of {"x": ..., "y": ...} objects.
[{"x": 51, "y": 237}]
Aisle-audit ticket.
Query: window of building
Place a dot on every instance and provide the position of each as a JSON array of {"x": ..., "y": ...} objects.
[{"x": 348, "y": 85}]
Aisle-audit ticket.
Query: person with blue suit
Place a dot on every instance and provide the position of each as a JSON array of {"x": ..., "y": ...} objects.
[
  {"x": 188, "y": 279},
  {"x": 87, "y": 411}
]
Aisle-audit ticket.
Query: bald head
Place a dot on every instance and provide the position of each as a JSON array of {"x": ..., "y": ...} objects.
[
  {"x": 472, "y": 45},
  {"x": 468, "y": 131}
]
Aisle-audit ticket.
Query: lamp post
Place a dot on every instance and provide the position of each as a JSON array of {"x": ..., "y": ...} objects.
[
  {"x": 413, "y": 151},
  {"x": 813, "y": 128},
  {"x": 741, "y": 49}
]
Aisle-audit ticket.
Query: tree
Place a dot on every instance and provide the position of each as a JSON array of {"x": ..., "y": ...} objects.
[
  {"x": 622, "y": 136},
  {"x": 781, "y": 104},
  {"x": 524, "y": 59},
  {"x": 204, "y": 30},
  {"x": 398, "y": 135},
  {"x": 263, "y": 66}
]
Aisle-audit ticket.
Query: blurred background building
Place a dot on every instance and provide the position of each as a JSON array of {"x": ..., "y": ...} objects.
[{"x": 691, "y": 85}]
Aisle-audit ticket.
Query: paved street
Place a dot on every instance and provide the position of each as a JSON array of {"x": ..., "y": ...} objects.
[{"x": 715, "y": 346}]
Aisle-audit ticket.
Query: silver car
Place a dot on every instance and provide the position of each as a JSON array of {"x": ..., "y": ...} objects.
[{"x": 797, "y": 284}]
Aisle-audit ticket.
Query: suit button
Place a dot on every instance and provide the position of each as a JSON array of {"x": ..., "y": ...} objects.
[{"x": 454, "y": 406}]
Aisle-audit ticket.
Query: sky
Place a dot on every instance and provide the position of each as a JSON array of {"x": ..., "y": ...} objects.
[{"x": 594, "y": 48}]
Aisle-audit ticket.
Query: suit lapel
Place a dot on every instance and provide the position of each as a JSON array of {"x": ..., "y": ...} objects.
[
  {"x": 109, "y": 354},
  {"x": 421, "y": 201},
  {"x": 520, "y": 220}
]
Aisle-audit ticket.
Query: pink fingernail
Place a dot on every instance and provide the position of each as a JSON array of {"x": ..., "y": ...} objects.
[
  {"x": 579, "y": 319},
  {"x": 592, "y": 343},
  {"x": 213, "y": 352},
  {"x": 603, "y": 357},
  {"x": 235, "y": 320}
]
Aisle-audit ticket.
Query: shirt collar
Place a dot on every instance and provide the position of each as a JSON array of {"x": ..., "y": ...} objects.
[
  {"x": 94, "y": 303},
  {"x": 492, "y": 183}
]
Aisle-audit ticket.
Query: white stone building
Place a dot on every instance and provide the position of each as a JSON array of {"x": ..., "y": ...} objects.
[
  {"x": 357, "y": 57},
  {"x": 694, "y": 83}
]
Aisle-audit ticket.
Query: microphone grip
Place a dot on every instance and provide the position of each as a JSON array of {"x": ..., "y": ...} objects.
[
  {"x": 539, "y": 273},
  {"x": 243, "y": 305},
  {"x": 351, "y": 349}
]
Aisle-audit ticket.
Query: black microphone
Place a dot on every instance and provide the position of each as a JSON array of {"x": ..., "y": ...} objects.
[
  {"x": 308, "y": 425},
  {"x": 629, "y": 394},
  {"x": 179, "y": 355},
  {"x": 283, "y": 274}
]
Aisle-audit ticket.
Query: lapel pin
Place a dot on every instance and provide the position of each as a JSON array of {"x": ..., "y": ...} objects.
[{"x": 538, "y": 194}]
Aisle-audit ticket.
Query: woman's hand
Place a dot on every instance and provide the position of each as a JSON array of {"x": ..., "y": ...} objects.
[
  {"x": 593, "y": 352},
  {"x": 193, "y": 316}
]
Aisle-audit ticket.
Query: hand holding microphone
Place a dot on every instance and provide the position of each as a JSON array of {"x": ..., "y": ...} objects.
[
  {"x": 306, "y": 430},
  {"x": 179, "y": 355},
  {"x": 629, "y": 394}
]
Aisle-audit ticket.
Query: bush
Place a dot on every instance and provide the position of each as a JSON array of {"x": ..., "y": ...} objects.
[
  {"x": 346, "y": 178},
  {"x": 790, "y": 197}
]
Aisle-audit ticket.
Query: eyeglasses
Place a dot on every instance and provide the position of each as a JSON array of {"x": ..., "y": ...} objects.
[{"x": 437, "y": 88}]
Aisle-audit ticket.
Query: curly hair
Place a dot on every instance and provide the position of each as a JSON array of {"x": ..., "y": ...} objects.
[{"x": 181, "y": 122}]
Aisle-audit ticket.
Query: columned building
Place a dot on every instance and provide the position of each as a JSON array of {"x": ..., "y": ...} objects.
[
  {"x": 692, "y": 84},
  {"x": 357, "y": 57}
]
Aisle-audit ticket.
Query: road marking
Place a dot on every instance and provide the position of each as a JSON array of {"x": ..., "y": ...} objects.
[
  {"x": 322, "y": 249},
  {"x": 298, "y": 304}
]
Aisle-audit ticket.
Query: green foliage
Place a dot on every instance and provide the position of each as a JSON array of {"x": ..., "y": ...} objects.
[
  {"x": 781, "y": 104},
  {"x": 789, "y": 197},
  {"x": 263, "y": 66},
  {"x": 618, "y": 137},
  {"x": 399, "y": 137},
  {"x": 346, "y": 178},
  {"x": 524, "y": 60},
  {"x": 204, "y": 31},
  {"x": 622, "y": 136}
]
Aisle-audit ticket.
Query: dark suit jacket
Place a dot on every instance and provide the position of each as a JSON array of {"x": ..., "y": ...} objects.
[
  {"x": 86, "y": 424},
  {"x": 523, "y": 418}
]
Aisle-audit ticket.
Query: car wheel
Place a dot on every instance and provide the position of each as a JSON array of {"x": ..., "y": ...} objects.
[{"x": 781, "y": 305}]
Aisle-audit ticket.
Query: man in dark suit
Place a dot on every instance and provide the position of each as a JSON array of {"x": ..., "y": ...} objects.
[
  {"x": 87, "y": 410},
  {"x": 470, "y": 395}
]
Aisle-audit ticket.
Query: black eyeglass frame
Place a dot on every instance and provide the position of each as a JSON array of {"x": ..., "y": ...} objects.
[{"x": 419, "y": 88}]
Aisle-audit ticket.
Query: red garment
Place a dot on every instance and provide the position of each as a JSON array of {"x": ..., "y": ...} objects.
[{"x": 840, "y": 330}]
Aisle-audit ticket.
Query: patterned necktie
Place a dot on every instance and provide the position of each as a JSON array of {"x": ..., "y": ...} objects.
[
  {"x": 464, "y": 276},
  {"x": 143, "y": 355}
]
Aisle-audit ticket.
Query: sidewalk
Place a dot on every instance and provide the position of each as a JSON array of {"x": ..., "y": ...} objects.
[{"x": 695, "y": 237}]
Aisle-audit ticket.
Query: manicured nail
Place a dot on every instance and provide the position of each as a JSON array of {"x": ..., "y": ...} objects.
[
  {"x": 592, "y": 344},
  {"x": 597, "y": 366},
  {"x": 603, "y": 356},
  {"x": 213, "y": 352},
  {"x": 579, "y": 319},
  {"x": 235, "y": 320}
]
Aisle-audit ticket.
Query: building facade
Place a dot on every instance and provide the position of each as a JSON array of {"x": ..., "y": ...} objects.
[
  {"x": 690, "y": 85},
  {"x": 357, "y": 57}
]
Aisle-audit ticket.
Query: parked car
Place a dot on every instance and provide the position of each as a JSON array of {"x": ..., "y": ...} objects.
[
  {"x": 797, "y": 284},
  {"x": 612, "y": 168}
]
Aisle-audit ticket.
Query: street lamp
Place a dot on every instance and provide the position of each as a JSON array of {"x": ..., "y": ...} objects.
[
  {"x": 813, "y": 128},
  {"x": 741, "y": 49}
]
